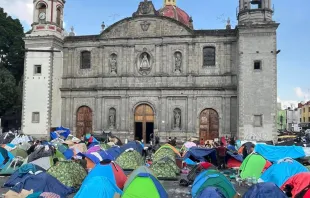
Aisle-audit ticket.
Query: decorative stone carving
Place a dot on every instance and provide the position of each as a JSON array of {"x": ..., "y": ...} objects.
[
  {"x": 145, "y": 25},
  {"x": 113, "y": 63},
  {"x": 112, "y": 116},
  {"x": 144, "y": 63},
  {"x": 177, "y": 119},
  {"x": 178, "y": 62},
  {"x": 146, "y": 8}
]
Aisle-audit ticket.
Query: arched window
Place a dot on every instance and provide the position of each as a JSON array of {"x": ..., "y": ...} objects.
[
  {"x": 41, "y": 7},
  {"x": 209, "y": 56},
  {"x": 59, "y": 17},
  {"x": 85, "y": 60}
]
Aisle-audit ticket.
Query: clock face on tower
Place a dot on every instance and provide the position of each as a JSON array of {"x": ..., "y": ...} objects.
[{"x": 42, "y": 15}]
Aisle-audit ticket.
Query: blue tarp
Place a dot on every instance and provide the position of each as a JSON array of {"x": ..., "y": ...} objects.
[
  {"x": 263, "y": 190},
  {"x": 275, "y": 153},
  {"x": 211, "y": 192},
  {"x": 114, "y": 151},
  {"x": 65, "y": 132},
  {"x": 280, "y": 172},
  {"x": 68, "y": 154},
  {"x": 98, "y": 187},
  {"x": 134, "y": 145},
  {"x": 190, "y": 162},
  {"x": 41, "y": 182},
  {"x": 200, "y": 154}
]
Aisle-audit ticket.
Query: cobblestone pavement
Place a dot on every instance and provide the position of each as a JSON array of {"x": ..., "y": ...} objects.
[{"x": 172, "y": 187}]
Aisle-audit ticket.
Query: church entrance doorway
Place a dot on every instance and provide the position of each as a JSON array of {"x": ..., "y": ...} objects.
[
  {"x": 144, "y": 123},
  {"x": 209, "y": 125},
  {"x": 84, "y": 121}
]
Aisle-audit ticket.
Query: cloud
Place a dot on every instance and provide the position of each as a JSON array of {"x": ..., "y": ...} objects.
[
  {"x": 21, "y": 9},
  {"x": 287, "y": 103},
  {"x": 301, "y": 94}
]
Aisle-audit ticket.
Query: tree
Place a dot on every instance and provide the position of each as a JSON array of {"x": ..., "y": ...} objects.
[{"x": 12, "y": 50}]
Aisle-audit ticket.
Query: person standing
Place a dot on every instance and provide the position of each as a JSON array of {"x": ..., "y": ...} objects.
[{"x": 221, "y": 154}]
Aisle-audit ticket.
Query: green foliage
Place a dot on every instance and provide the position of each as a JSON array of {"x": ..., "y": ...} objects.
[{"x": 12, "y": 50}]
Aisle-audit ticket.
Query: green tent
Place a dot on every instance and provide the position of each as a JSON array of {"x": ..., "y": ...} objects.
[
  {"x": 130, "y": 160},
  {"x": 252, "y": 166},
  {"x": 69, "y": 173},
  {"x": 104, "y": 146},
  {"x": 144, "y": 185},
  {"x": 165, "y": 169},
  {"x": 141, "y": 169},
  {"x": 19, "y": 153},
  {"x": 164, "y": 152},
  {"x": 213, "y": 178}
]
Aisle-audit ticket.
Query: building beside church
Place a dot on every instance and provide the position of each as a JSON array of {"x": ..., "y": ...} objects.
[{"x": 153, "y": 72}]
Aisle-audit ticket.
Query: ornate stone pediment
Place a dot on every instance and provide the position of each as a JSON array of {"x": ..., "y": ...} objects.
[
  {"x": 145, "y": 8},
  {"x": 146, "y": 26}
]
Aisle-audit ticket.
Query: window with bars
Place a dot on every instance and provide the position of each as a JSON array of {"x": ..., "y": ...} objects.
[
  {"x": 35, "y": 117},
  {"x": 258, "y": 120},
  {"x": 85, "y": 60},
  {"x": 209, "y": 56},
  {"x": 37, "y": 69}
]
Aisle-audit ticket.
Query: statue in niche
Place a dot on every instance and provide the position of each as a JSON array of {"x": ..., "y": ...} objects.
[
  {"x": 145, "y": 66},
  {"x": 178, "y": 61},
  {"x": 113, "y": 63},
  {"x": 112, "y": 113},
  {"x": 177, "y": 119}
]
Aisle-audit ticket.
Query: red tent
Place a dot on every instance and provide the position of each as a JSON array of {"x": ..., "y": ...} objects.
[
  {"x": 299, "y": 182},
  {"x": 232, "y": 163}
]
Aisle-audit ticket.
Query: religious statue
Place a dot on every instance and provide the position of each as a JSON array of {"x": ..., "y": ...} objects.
[
  {"x": 112, "y": 118},
  {"x": 113, "y": 63},
  {"x": 145, "y": 64},
  {"x": 177, "y": 119},
  {"x": 178, "y": 62}
]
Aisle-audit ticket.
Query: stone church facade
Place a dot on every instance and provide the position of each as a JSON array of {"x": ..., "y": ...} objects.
[{"x": 153, "y": 72}]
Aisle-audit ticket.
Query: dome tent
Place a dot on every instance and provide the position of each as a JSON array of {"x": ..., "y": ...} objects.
[
  {"x": 130, "y": 160},
  {"x": 165, "y": 169}
]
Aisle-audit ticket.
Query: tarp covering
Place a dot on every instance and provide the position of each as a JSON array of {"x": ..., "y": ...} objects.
[
  {"x": 200, "y": 154},
  {"x": 275, "y": 153},
  {"x": 98, "y": 187},
  {"x": 278, "y": 173},
  {"x": 130, "y": 160},
  {"x": 111, "y": 171},
  {"x": 41, "y": 182},
  {"x": 144, "y": 185},
  {"x": 211, "y": 192},
  {"x": 134, "y": 145},
  {"x": 44, "y": 162},
  {"x": 261, "y": 190},
  {"x": 212, "y": 178},
  {"x": 40, "y": 151},
  {"x": 114, "y": 151},
  {"x": 299, "y": 182},
  {"x": 69, "y": 173}
]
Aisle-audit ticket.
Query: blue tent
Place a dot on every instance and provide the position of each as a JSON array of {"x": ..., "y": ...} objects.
[
  {"x": 134, "y": 145},
  {"x": 280, "y": 172},
  {"x": 114, "y": 151},
  {"x": 262, "y": 190},
  {"x": 275, "y": 153},
  {"x": 68, "y": 154},
  {"x": 97, "y": 157},
  {"x": 201, "y": 154},
  {"x": 190, "y": 162},
  {"x": 3, "y": 154},
  {"x": 41, "y": 182},
  {"x": 211, "y": 192},
  {"x": 98, "y": 187}
]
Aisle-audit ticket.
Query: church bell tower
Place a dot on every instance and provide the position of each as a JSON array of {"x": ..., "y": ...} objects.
[
  {"x": 257, "y": 75},
  {"x": 43, "y": 69}
]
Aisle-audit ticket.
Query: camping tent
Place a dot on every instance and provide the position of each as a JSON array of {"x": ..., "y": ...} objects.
[
  {"x": 267, "y": 189},
  {"x": 6, "y": 138},
  {"x": 43, "y": 162},
  {"x": 21, "y": 139},
  {"x": 130, "y": 160},
  {"x": 18, "y": 152},
  {"x": 40, "y": 151},
  {"x": 299, "y": 182},
  {"x": 165, "y": 169},
  {"x": 280, "y": 172},
  {"x": 141, "y": 169},
  {"x": 12, "y": 166},
  {"x": 166, "y": 151},
  {"x": 144, "y": 185},
  {"x": 137, "y": 146},
  {"x": 233, "y": 160},
  {"x": 95, "y": 158},
  {"x": 253, "y": 166},
  {"x": 211, "y": 192},
  {"x": 114, "y": 151},
  {"x": 98, "y": 187},
  {"x": 187, "y": 145},
  {"x": 41, "y": 182},
  {"x": 213, "y": 178},
  {"x": 3, "y": 154},
  {"x": 69, "y": 173},
  {"x": 112, "y": 171},
  {"x": 201, "y": 154}
]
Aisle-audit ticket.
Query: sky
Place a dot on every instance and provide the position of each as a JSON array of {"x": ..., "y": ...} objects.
[{"x": 293, "y": 33}]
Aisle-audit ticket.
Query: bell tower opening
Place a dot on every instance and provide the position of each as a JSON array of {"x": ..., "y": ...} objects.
[{"x": 41, "y": 7}]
